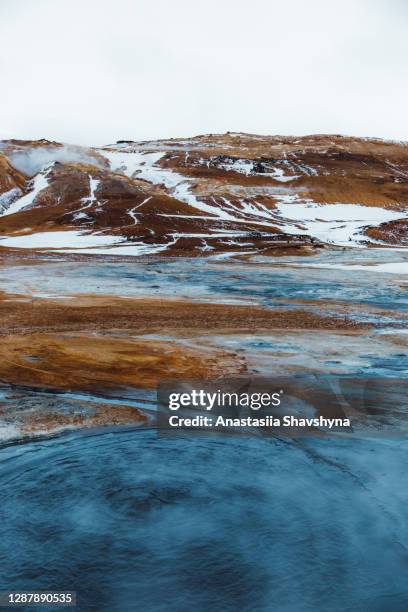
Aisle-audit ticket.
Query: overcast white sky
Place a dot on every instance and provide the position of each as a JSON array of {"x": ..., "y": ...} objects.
[{"x": 93, "y": 72}]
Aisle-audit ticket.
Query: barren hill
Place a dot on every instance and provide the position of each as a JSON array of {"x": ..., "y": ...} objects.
[{"x": 204, "y": 195}]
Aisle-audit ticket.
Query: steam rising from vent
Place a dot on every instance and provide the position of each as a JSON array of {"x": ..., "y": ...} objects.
[{"x": 33, "y": 160}]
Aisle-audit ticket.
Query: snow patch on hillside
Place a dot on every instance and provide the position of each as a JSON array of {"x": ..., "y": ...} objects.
[
  {"x": 7, "y": 198},
  {"x": 143, "y": 166},
  {"x": 58, "y": 240},
  {"x": 39, "y": 183},
  {"x": 339, "y": 224},
  {"x": 251, "y": 167},
  {"x": 132, "y": 212},
  {"x": 140, "y": 165},
  {"x": 88, "y": 201}
]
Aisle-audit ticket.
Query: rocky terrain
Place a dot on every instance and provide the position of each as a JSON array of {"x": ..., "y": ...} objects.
[{"x": 204, "y": 196}]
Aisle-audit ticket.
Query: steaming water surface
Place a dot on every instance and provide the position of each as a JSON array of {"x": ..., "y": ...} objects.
[{"x": 136, "y": 522}]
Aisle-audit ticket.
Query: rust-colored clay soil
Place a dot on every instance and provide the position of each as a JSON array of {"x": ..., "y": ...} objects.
[
  {"x": 92, "y": 342},
  {"x": 50, "y": 420},
  {"x": 141, "y": 316},
  {"x": 95, "y": 363}
]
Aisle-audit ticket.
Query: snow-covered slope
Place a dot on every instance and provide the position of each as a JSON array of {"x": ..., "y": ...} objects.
[{"x": 209, "y": 194}]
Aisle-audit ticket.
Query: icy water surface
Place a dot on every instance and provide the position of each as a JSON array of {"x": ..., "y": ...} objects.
[
  {"x": 261, "y": 280},
  {"x": 134, "y": 521}
]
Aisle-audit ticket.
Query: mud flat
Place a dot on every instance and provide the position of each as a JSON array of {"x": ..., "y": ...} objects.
[
  {"x": 38, "y": 415},
  {"x": 26, "y": 314},
  {"x": 91, "y": 363},
  {"x": 158, "y": 319},
  {"x": 107, "y": 345}
]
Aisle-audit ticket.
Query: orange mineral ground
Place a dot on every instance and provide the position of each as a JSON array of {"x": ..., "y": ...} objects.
[{"x": 90, "y": 342}]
